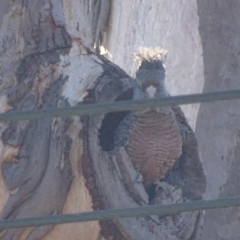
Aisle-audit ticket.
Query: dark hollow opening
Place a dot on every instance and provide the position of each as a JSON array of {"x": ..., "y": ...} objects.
[{"x": 111, "y": 122}]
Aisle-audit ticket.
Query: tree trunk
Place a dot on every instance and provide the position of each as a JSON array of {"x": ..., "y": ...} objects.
[
  {"x": 217, "y": 125},
  {"x": 69, "y": 165},
  {"x": 202, "y": 38}
]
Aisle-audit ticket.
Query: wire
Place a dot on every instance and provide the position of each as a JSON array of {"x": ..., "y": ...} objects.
[
  {"x": 100, "y": 108},
  {"x": 168, "y": 209}
]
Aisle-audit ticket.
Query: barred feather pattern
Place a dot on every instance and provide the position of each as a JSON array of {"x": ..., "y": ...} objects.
[
  {"x": 151, "y": 137},
  {"x": 154, "y": 142}
]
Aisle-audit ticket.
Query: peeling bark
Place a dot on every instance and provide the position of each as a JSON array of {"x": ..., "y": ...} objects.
[
  {"x": 119, "y": 189},
  {"x": 69, "y": 165},
  {"x": 39, "y": 176}
]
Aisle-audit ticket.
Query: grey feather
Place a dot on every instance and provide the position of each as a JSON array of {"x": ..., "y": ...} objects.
[{"x": 122, "y": 132}]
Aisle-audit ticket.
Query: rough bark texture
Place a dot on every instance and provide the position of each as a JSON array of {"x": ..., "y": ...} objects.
[
  {"x": 64, "y": 165},
  {"x": 40, "y": 159},
  {"x": 202, "y": 39},
  {"x": 219, "y": 31}
]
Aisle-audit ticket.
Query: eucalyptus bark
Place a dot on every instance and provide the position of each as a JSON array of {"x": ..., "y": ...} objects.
[{"x": 69, "y": 165}]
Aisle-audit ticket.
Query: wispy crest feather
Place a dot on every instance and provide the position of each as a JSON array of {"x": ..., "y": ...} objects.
[{"x": 149, "y": 58}]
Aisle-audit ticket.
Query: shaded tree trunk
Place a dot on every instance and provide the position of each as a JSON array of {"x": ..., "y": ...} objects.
[
  {"x": 69, "y": 165},
  {"x": 218, "y": 28}
]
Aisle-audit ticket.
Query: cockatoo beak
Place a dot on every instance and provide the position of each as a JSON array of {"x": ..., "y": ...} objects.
[{"x": 151, "y": 91}]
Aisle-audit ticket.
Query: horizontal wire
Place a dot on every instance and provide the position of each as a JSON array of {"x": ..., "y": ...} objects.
[
  {"x": 100, "y": 108},
  {"x": 168, "y": 209},
  {"x": 128, "y": 212}
]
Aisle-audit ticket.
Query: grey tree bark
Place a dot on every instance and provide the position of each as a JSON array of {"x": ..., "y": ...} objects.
[
  {"x": 220, "y": 40},
  {"x": 63, "y": 165},
  {"x": 202, "y": 39}
]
